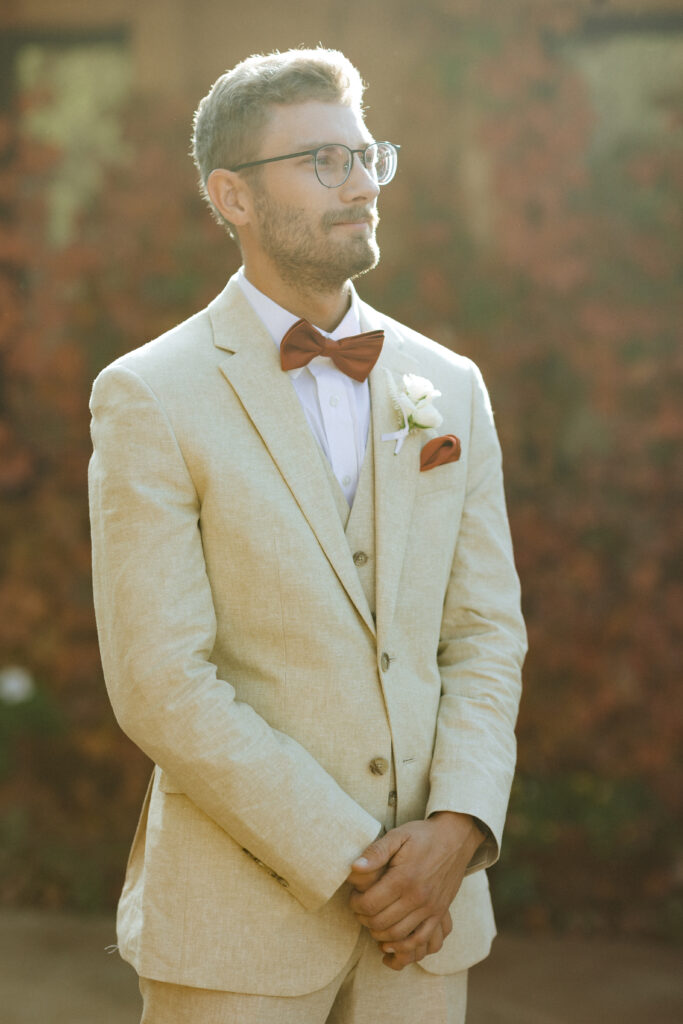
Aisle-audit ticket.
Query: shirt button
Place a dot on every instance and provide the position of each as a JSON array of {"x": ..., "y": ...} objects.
[
  {"x": 334, "y": 400},
  {"x": 392, "y": 798},
  {"x": 360, "y": 558},
  {"x": 378, "y": 766},
  {"x": 384, "y": 661},
  {"x": 346, "y": 480}
]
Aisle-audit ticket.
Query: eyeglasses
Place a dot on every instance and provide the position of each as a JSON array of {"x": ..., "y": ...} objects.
[{"x": 333, "y": 162}]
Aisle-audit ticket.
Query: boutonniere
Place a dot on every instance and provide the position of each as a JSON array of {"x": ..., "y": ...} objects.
[{"x": 414, "y": 405}]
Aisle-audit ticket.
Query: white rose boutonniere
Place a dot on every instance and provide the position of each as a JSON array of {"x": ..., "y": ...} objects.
[{"x": 415, "y": 407}]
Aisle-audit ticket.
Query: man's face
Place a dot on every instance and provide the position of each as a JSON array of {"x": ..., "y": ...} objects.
[{"x": 316, "y": 237}]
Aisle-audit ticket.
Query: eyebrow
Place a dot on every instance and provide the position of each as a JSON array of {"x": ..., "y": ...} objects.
[{"x": 318, "y": 145}]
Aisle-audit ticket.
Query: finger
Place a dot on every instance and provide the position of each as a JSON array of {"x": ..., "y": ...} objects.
[
  {"x": 379, "y": 853},
  {"x": 397, "y": 915},
  {"x": 436, "y": 941},
  {"x": 400, "y": 960},
  {"x": 396, "y": 884},
  {"x": 362, "y": 882},
  {"x": 391, "y": 916},
  {"x": 379, "y": 897},
  {"x": 447, "y": 924},
  {"x": 419, "y": 954},
  {"x": 400, "y": 930},
  {"x": 415, "y": 939}
]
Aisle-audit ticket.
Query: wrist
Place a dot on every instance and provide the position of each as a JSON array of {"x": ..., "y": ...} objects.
[{"x": 465, "y": 829}]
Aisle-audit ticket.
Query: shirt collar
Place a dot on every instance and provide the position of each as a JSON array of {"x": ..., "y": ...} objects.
[{"x": 278, "y": 320}]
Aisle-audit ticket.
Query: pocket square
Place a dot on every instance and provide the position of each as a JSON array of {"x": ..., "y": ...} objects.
[{"x": 439, "y": 451}]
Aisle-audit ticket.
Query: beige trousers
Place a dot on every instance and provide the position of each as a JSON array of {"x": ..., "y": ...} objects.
[{"x": 364, "y": 992}]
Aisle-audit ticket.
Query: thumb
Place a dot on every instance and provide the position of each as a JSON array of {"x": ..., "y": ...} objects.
[{"x": 379, "y": 852}]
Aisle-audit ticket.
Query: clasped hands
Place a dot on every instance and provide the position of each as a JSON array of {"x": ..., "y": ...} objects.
[{"x": 404, "y": 883}]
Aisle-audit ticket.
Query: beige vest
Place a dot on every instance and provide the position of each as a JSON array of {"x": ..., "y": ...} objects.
[{"x": 359, "y": 520}]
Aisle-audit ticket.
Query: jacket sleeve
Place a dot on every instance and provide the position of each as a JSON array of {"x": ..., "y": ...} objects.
[
  {"x": 157, "y": 627},
  {"x": 481, "y": 650}
]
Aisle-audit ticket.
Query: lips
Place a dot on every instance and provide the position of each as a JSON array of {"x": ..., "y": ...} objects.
[{"x": 370, "y": 221}]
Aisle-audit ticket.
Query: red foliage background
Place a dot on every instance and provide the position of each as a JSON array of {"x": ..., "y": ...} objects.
[{"x": 564, "y": 285}]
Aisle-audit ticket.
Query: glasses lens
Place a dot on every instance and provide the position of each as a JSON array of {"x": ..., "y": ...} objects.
[
  {"x": 380, "y": 160},
  {"x": 332, "y": 165}
]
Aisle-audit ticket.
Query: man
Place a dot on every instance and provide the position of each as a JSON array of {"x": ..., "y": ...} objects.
[{"x": 307, "y": 605}]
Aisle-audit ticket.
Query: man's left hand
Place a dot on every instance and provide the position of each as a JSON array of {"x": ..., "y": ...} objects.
[{"x": 415, "y": 872}]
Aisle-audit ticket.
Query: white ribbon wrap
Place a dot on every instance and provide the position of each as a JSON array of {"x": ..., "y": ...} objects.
[{"x": 398, "y": 436}]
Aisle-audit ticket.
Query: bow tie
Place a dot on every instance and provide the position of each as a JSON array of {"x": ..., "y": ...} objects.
[{"x": 354, "y": 356}]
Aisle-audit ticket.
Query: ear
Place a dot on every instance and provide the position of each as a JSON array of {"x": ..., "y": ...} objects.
[{"x": 229, "y": 195}]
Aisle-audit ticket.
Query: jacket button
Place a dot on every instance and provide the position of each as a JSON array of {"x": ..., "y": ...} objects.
[
  {"x": 360, "y": 558},
  {"x": 392, "y": 798},
  {"x": 385, "y": 661},
  {"x": 378, "y": 765}
]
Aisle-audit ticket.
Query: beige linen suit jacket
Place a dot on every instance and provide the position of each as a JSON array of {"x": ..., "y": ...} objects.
[{"x": 241, "y": 655}]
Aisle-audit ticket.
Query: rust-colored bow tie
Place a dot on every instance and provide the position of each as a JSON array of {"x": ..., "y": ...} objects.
[{"x": 354, "y": 356}]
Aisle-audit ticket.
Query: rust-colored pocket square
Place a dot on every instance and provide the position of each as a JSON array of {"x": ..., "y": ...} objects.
[{"x": 439, "y": 451}]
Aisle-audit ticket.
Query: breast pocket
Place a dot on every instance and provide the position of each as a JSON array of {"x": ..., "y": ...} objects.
[{"x": 450, "y": 476}]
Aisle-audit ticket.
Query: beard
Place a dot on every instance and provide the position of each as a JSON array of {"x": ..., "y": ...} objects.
[{"x": 312, "y": 256}]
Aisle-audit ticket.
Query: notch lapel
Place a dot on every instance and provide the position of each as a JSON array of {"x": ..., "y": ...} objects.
[{"x": 253, "y": 370}]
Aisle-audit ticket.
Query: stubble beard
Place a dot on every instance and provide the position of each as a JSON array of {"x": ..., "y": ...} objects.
[{"x": 313, "y": 259}]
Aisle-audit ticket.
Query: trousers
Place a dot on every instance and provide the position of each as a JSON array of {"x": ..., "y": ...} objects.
[{"x": 364, "y": 992}]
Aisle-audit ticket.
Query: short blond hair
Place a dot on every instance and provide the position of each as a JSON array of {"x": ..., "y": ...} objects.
[{"x": 230, "y": 119}]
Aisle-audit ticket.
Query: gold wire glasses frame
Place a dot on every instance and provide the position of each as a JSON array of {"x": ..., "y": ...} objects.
[{"x": 333, "y": 162}]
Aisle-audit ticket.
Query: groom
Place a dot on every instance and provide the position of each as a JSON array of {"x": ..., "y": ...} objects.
[{"x": 306, "y": 599}]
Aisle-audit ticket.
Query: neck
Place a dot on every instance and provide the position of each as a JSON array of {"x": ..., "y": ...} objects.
[{"x": 324, "y": 309}]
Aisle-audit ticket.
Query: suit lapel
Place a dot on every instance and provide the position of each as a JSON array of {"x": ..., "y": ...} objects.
[
  {"x": 395, "y": 475},
  {"x": 252, "y": 369}
]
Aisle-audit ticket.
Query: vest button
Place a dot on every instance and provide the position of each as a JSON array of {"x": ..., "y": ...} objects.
[
  {"x": 360, "y": 558},
  {"x": 379, "y": 765},
  {"x": 385, "y": 661}
]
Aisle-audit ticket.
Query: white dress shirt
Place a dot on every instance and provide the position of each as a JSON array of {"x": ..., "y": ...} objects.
[{"x": 336, "y": 406}]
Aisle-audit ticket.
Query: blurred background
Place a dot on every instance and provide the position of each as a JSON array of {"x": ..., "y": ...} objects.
[{"x": 534, "y": 225}]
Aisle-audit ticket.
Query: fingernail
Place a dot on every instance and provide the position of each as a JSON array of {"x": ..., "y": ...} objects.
[
  {"x": 362, "y": 862},
  {"x": 388, "y": 949}
]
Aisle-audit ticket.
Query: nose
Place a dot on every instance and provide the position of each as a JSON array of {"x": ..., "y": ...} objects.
[{"x": 361, "y": 185}]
